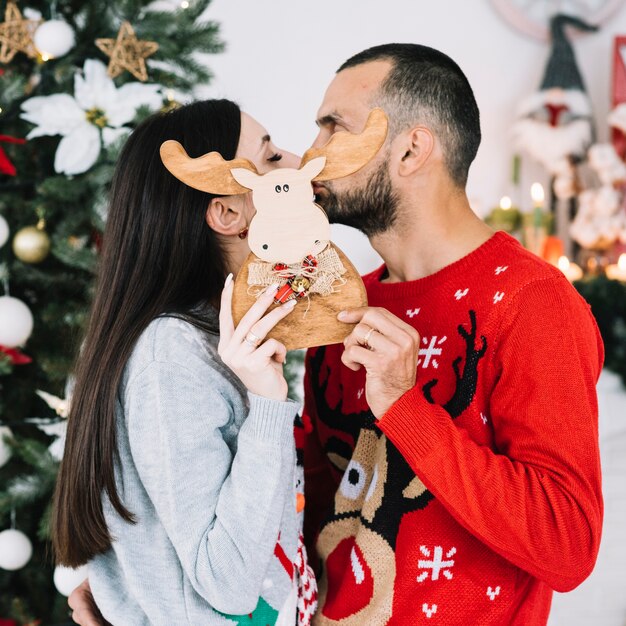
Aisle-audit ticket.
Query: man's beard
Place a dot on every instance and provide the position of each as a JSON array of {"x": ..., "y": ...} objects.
[{"x": 372, "y": 208}]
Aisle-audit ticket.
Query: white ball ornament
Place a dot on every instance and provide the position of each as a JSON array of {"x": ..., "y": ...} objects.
[
  {"x": 15, "y": 550},
  {"x": 16, "y": 322},
  {"x": 4, "y": 231},
  {"x": 67, "y": 579},
  {"x": 54, "y": 38},
  {"x": 5, "y": 451}
]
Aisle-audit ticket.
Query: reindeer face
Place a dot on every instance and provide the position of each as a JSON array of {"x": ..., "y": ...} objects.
[{"x": 288, "y": 225}]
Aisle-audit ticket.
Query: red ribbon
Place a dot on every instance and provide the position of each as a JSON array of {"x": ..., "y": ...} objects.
[
  {"x": 6, "y": 167},
  {"x": 17, "y": 358}
]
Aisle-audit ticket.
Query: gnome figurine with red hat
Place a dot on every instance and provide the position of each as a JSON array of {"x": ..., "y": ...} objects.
[{"x": 555, "y": 124}]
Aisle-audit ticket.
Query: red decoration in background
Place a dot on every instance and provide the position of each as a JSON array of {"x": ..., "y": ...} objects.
[
  {"x": 7, "y": 622},
  {"x": 555, "y": 110},
  {"x": 17, "y": 358},
  {"x": 96, "y": 238},
  {"x": 6, "y": 167},
  {"x": 619, "y": 92}
]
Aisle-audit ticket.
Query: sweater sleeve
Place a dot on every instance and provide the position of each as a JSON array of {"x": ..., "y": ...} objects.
[
  {"x": 319, "y": 483},
  {"x": 221, "y": 511},
  {"x": 536, "y": 499}
]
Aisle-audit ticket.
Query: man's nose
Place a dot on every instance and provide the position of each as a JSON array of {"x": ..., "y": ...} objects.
[{"x": 320, "y": 140}]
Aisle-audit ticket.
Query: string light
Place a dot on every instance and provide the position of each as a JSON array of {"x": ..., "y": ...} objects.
[{"x": 184, "y": 4}]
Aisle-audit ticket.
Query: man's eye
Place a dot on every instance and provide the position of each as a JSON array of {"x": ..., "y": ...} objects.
[{"x": 275, "y": 157}]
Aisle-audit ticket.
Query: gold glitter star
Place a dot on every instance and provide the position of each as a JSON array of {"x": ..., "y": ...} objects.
[
  {"x": 16, "y": 34},
  {"x": 127, "y": 53}
]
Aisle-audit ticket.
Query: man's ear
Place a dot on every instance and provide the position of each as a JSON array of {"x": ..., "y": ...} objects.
[
  {"x": 224, "y": 216},
  {"x": 414, "y": 148}
]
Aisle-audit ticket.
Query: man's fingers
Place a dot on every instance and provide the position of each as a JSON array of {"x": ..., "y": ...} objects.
[
  {"x": 356, "y": 357},
  {"x": 386, "y": 323},
  {"x": 352, "y": 316},
  {"x": 368, "y": 337}
]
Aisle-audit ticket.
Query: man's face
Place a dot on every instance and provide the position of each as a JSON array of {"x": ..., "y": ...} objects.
[{"x": 364, "y": 200}]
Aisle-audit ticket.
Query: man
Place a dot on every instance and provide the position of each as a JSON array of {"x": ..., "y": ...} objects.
[
  {"x": 452, "y": 468},
  {"x": 451, "y": 460}
]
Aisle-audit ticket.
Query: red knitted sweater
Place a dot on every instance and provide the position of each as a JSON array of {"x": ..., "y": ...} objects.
[{"x": 478, "y": 492}]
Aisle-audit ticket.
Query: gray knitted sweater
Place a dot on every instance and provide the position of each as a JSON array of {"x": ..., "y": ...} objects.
[{"x": 209, "y": 471}]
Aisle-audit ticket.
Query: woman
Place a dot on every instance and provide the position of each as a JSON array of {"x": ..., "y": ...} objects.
[{"x": 179, "y": 470}]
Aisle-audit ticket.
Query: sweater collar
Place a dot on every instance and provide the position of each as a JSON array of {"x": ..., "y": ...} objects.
[{"x": 381, "y": 290}]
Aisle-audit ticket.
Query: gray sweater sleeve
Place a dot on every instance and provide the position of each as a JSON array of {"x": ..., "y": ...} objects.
[{"x": 221, "y": 511}]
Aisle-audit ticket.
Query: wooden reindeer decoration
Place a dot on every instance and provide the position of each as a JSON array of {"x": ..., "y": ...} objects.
[{"x": 289, "y": 235}]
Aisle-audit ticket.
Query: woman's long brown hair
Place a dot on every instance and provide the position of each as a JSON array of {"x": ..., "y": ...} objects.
[{"x": 159, "y": 257}]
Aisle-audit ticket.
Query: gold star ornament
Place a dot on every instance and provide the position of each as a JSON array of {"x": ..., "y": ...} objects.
[
  {"x": 127, "y": 53},
  {"x": 16, "y": 34}
]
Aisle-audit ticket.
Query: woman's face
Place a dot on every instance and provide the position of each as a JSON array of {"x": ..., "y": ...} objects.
[{"x": 255, "y": 144}]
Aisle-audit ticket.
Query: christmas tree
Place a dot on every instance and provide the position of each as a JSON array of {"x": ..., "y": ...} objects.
[{"x": 75, "y": 78}]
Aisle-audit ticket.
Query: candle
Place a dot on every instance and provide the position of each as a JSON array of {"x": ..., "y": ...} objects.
[
  {"x": 571, "y": 270},
  {"x": 537, "y": 223},
  {"x": 505, "y": 216},
  {"x": 617, "y": 272},
  {"x": 538, "y": 195}
]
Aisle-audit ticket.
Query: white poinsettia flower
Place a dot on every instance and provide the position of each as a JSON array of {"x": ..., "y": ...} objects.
[{"x": 96, "y": 114}]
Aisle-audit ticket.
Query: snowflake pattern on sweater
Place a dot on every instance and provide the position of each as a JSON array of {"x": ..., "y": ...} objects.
[{"x": 444, "y": 510}]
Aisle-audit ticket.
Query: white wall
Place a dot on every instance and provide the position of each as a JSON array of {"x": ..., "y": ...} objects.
[{"x": 281, "y": 54}]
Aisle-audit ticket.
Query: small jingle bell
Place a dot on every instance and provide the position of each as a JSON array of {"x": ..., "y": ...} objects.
[{"x": 301, "y": 286}]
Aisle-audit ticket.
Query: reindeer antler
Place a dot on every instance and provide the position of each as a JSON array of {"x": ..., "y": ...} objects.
[
  {"x": 209, "y": 173},
  {"x": 346, "y": 152}
]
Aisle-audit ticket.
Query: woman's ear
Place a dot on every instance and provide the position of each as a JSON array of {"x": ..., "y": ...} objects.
[
  {"x": 414, "y": 148},
  {"x": 225, "y": 215}
]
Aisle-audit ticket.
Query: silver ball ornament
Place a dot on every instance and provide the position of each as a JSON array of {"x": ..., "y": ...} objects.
[
  {"x": 54, "y": 39},
  {"x": 5, "y": 451},
  {"x": 15, "y": 550},
  {"x": 4, "y": 231},
  {"x": 16, "y": 322}
]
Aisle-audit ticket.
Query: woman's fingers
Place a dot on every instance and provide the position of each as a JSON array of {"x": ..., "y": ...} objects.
[
  {"x": 266, "y": 323},
  {"x": 271, "y": 349},
  {"x": 227, "y": 326},
  {"x": 254, "y": 313}
]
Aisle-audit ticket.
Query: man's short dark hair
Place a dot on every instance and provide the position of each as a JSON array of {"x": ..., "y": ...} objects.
[{"x": 427, "y": 87}]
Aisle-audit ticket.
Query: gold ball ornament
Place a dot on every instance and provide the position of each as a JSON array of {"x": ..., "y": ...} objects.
[{"x": 31, "y": 244}]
